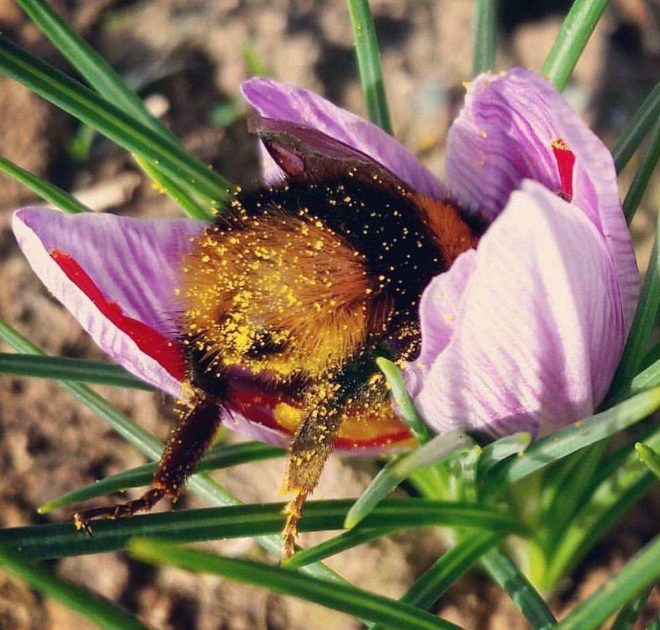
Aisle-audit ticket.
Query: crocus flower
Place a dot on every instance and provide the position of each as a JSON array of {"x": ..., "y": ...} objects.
[{"x": 523, "y": 333}]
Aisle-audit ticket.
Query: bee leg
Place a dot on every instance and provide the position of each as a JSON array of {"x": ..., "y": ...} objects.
[
  {"x": 185, "y": 447},
  {"x": 308, "y": 453}
]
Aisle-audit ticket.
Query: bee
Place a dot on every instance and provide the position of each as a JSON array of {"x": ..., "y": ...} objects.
[{"x": 293, "y": 292}]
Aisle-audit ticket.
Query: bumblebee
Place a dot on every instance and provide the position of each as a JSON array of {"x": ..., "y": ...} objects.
[{"x": 297, "y": 289}]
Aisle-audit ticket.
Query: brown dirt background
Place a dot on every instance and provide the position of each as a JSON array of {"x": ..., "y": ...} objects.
[{"x": 187, "y": 59}]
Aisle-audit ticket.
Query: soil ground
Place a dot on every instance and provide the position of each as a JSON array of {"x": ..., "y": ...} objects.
[{"x": 187, "y": 58}]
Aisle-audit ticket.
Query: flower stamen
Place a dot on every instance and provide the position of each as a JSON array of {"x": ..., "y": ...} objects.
[{"x": 565, "y": 159}]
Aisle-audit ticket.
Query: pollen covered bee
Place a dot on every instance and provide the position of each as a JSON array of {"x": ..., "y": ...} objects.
[{"x": 294, "y": 292}]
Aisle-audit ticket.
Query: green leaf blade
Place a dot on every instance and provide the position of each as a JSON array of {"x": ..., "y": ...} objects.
[
  {"x": 340, "y": 597},
  {"x": 91, "y": 606},
  {"x": 368, "y": 56},
  {"x": 572, "y": 39},
  {"x": 484, "y": 36}
]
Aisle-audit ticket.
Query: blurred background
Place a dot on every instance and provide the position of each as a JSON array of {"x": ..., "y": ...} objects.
[{"x": 187, "y": 59}]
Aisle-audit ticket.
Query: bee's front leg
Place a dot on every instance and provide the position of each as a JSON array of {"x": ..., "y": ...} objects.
[{"x": 185, "y": 447}]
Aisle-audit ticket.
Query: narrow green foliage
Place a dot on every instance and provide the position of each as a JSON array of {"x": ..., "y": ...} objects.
[
  {"x": 176, "y": 192},
  {"x": 256, "y": 67},
  {"x": 447, "y": 569},
  {"x": 572, "y": 438},
  {"x": 642, "y": 176},
  {"x": 97, "y": 610},
  {"x": 404, "y": 404},
  {"x": 484, "y": 36},
  {"x": 636, "y": 576},
  {"x": 108, "y": 84},
  {"x": 241, "y": 521},
  {"x": 631, "y": 612},
  {"x": 650, "y": 457},
  {"x": 571, "y": 41},
  {"x": 218, "y": 457},
  {"x": 340, "y": 597},
  {"x": 637, "y": 129},
  {"x": 66, "y": 369},
  {"x": 46, "y": 190},
  {"x": 500, "y": 567},
  {"x": 333, "y": 546},
  {"x": 94, "y": 68},
  {"x": 111, "y": 121},
  {"x": 368, "y": 56},
  {"x": 399, "y": 469},
  {"x": 618, "y": 487},
  {"x": 502, "y": 449}
]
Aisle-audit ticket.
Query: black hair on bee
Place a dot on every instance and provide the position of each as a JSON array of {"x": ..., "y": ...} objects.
[{"x": 303, "y": 285}]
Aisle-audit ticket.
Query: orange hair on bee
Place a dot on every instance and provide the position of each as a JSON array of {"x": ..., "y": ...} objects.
[{"x": 448, "y": 229}]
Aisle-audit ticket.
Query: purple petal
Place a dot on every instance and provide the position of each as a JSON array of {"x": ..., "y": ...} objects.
[
  {"x": 298, "y": 106},
  {"x": 117, "y": 276},
  {"x": 505, "y": 134},
  {"x": 538, "y": 331}
]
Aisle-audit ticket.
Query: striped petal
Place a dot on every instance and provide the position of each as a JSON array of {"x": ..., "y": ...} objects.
[
  {"x": 117, "y": 276},
  {"x": 537, "y": 332},
  {"x": 516, "y": 126}
]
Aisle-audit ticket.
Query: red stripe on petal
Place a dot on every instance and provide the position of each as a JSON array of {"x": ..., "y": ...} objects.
[
  {"x": 565, "y": 159},
  {"x": 155, "y": 345}
]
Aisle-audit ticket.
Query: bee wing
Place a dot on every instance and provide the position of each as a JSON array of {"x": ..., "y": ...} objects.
[{"x": 309, "y": 155}]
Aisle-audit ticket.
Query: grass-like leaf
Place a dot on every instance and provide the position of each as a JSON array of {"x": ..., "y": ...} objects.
[
  {"x": 642, "y": 176},
  {"x": 111, "y": 121},
  {"x": 631, "y": 612},
  {"x": 451, "y": 566},
  {"x": 109, "y": 84},
  {"x": 93, "y": 607},
  {"x": 404, "y": 404},
  {"x": 570, "y": 439},
  {"x": 94, "y": 68},
  {"x": 637, "y": 129},
  {"x": 218, "y": 457},
  {"x": 67, "y": 369},
  {"x": 636, "y": 576},
  {"x": 505, "y": 573},
  {"x": 484, "y": 36},
  {"x": 46, "y": 190},
  {"x": 646, "y": 319},
  {"x": 241, "y": 521},
  {"x": 649, "y": 457},
  {"x": 572, "y": 39},
  {"x": 628, "y": 480},
  {"x": 501, "y": 449},
  {"x": 333, "y": 546},
  {"x": 340, "y": 597},
  {"x": 399, "y": 469},
  {"x": 368, "y": 57}
]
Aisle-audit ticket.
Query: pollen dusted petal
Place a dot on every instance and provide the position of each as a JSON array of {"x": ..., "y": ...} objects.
[{"x": 507, "y": 132}]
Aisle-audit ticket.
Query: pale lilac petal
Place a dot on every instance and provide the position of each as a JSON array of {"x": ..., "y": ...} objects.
[
  {"x": 539, "y": 329},
  {"x": 299, "y": 106},
  {"x": 504, "y": 134},
  {"x": 133, "y": 265}
]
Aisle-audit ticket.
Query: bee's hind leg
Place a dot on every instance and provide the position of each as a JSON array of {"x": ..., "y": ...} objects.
[
  {"x": 308, "y": 453},
  {"x": 200, "y": 419}
]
